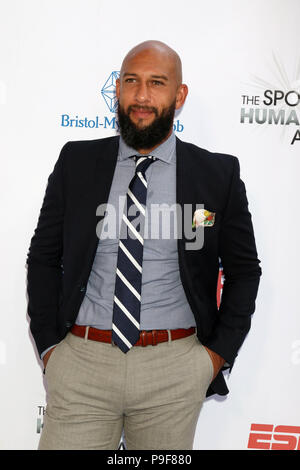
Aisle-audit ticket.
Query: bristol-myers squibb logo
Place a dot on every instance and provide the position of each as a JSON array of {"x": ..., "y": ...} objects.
[
  {"x": 108, "y": 92},
  {"x": 110, "y": 122}
]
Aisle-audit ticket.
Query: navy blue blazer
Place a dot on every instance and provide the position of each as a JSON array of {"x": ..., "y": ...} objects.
[{"x": 64, "y": 243}]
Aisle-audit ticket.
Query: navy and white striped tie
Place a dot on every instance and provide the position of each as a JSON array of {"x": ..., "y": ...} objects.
[{"x": 127, "y": 298}]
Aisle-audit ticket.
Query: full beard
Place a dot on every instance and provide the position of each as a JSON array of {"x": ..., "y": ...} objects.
[{"x": 149, "y": 136}]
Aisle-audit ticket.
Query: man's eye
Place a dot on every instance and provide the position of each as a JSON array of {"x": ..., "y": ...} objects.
[
  {"x": 157, "y": 82},
  {"x": 129, "y": 80}
]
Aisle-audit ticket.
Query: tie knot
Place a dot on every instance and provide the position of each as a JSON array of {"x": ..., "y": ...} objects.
[{"x": 143, "y": 162}]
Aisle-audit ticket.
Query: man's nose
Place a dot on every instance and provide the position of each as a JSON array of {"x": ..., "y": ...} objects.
[{"x": 142, "y": 92}]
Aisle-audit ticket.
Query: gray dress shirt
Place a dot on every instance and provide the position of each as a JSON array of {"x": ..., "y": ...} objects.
[{"x": 163, "y": 301}]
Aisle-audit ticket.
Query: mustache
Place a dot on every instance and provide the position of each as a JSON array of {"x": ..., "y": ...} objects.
[{"x": 135, "y": 107}]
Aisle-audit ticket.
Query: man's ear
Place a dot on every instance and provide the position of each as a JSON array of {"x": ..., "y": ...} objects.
[
  {"x": 118, "y": 88},
  {"x": 181, "y": 95}
]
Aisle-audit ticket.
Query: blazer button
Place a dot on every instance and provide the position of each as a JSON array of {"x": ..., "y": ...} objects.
[
  {"x": 68, "y": 324},
  {"x": 82, "y": 288}
]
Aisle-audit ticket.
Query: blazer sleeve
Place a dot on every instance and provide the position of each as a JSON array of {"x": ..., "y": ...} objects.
[
  {"x": 45, "y": 263},
  {"x": 241, "y": 271}
]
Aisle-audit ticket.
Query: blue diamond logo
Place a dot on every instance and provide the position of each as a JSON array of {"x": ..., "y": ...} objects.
[{"x": 109, "y": 92}]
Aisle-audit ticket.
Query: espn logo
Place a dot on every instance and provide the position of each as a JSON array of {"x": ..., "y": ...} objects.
[{"x": 270, "y": 437}]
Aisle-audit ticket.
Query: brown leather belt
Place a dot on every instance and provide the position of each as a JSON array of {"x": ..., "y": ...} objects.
[{"x": 151, "y": 337}]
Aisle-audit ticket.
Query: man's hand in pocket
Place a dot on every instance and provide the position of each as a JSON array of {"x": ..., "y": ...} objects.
[
  {"x": 217, "y": 361},
  {"x": 47, "y": 355}
]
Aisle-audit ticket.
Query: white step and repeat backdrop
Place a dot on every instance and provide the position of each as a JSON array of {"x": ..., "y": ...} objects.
[{"x": 58, "y": 64}]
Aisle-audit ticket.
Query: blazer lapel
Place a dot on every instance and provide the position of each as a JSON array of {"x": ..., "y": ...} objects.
[
  {"x": 105, "y": 153},
  {"x": 190, "y": 189},
  {"x": 104, "y": 171}
]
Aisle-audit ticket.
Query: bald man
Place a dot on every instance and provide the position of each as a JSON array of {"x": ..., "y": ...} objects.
[{"x": 124, "y": 317}]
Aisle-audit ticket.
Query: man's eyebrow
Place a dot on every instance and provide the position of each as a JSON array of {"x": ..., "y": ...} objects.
[{"x": 162, "y": 77}]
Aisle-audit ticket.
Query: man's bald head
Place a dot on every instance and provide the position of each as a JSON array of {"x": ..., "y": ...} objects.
[{"x": 159, "y": 49}]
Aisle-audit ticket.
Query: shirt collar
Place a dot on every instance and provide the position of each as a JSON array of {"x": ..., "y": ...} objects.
[{"x": 164, "y": 152}]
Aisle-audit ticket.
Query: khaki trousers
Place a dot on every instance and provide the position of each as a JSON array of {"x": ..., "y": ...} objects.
[{"x": 95, "y": 392}]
